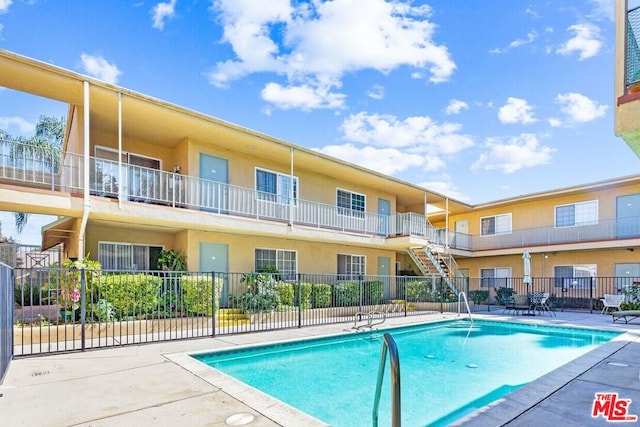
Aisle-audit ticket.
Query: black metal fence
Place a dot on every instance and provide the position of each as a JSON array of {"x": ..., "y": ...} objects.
[
  {"x": 68, "y": 309},
  {"x": 60, "y": 310},
  {"x": 565, "y": 293},
  {"x": 6, "y": 318}
]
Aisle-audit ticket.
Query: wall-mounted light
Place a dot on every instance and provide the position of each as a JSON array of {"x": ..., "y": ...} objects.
[{"x": 630, "y": 249}]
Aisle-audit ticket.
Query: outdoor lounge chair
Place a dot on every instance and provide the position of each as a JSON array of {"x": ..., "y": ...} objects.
[
  {"x": 611, "y": 301},
  {"x": 626, "y": 315},
  {"x": 517, "y": 303}
]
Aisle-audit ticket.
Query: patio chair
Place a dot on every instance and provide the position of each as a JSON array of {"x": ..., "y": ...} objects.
[
  {"x": 611, "y": 301},
  {"x": 540, "y": 303}
]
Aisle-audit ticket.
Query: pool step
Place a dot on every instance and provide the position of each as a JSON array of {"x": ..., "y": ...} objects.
[{"x": 232, "y": 316}]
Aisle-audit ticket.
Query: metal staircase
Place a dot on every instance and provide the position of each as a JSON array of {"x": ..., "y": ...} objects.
[{"x": 432, "y": 261}]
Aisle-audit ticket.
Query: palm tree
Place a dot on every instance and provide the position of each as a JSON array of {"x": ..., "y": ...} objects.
[{"x": 47, "y": 143}]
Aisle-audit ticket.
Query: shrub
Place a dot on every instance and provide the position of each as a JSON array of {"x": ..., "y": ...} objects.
[
  {"x": 132, "y": 295},
  {"x": 346, "y": 294},
  {"x": 374, "y": 292},
  {"x": 197, "y": 293},
  {"x": 104, "y": 311},
  {"x": 302, "y": 293},
  {"x": 261, "y": 294},
  {"x": 285, "y": 293},
  {"x": 417, "y": 290},
  {"x": 320, "y": 295},
  {"x": 478, "y": 296},
  {"x": 503, "y": 295}
]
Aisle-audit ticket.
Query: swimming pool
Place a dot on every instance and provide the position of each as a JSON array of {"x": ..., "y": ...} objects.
[{"x": 448, "y": 369}]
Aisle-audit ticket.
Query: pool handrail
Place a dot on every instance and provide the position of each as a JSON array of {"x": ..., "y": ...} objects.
[
  {"x": 388, "y": 344},
  {"x": 370, "y": 319},
  {"x": 461, "y": 296}
]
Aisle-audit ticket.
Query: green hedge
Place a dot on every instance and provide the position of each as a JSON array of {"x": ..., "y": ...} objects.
[
  {"x": 320, "y": 295},
  {"x": 302, "y": 293},
  {"x": 346, "y": 294},
  {"x": 418, "y": 290},
  {"x": 285, "y": 291},
  {"x": 373, "y": 292},
  {"x": 197, "y": 294},
  {"x": 131, "y": 295}
]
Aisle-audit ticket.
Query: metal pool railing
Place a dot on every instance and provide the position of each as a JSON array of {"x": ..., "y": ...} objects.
[{"x": 389, "y": 344}]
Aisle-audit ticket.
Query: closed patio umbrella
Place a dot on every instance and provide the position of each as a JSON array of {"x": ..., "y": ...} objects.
[{"x": 526, "y": 262}]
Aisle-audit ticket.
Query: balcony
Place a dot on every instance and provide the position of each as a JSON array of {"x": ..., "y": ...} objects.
[
  {"x": 603, "y": 230},
  {"x": 30, "y": 166},
  {"x": 627, "y": 74}
]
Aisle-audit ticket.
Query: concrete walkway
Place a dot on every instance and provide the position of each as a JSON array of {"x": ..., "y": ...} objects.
[{"x": 156, "y": 384}]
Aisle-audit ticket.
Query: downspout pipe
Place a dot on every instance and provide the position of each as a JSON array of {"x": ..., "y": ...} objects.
[{"x": 86, "y": 203}]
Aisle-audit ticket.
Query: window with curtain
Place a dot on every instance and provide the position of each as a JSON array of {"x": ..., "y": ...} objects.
[
  {"x": 495, "y": 277},
  {"x": 350, "y": 267},
  {"x": 574, "y": 276},
  {"x": 499, "y": 224},
  {"x": 584, "y": 213},
  {"x": 283, "y": 260},
  {"x": 125, "y": 256},
  {"x": 276, "y": 187},
  {"x": 350, "y": 204}
]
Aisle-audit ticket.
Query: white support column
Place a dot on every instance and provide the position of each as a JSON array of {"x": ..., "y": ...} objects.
[
  {"x": 291, "y": 200},
  {"x": 120, "y": 180},
  {"x": 86, "y": 175}
]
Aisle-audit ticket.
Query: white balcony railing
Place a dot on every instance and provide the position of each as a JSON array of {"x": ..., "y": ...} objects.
[{"x": 140, "y": 184}]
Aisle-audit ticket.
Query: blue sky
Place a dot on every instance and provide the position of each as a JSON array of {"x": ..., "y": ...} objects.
[{"x": 479, "y": 100}]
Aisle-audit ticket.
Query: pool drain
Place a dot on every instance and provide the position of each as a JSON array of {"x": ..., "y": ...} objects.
[
  {"x": 472, "y": 365},
  {"x": 240, "y": 419}
]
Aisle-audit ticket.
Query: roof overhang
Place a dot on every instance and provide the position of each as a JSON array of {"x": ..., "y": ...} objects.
[{"x": 59, "y": 231}]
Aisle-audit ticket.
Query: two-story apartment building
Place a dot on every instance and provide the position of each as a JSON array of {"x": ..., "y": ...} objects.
[{"x": 139, "y": 175}]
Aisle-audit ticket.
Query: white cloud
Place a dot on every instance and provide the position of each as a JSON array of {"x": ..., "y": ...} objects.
[
  {"x": 604, "y": 9},
  {"x": 445, "y": 188},
  {"x": 455, "y": 106},
  {"x": 4, "y": 5},
  {"x": 517, "y": 153},
  {"x": 376, "y": 92},
  {"x": 388, "y": 161},
  {"x": 304, "y": 97},
  {"x": 554, "y": 122},
  {"x": 531, "y": 37},
  {"x": 516, "y": 110},
  {"x": 586, "y": 41},
  {"x": 418, "y": 134},
  {"x": 17, "y": 126},
  {"x": 319, "y": 42},
  {"x": 98, "y": 67},
  {"x": 579, "y": 108},
  {"x": 161, "y": 12}
]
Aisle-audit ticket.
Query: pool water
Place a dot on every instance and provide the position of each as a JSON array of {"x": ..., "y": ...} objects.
[{"x": 448, "y": 369}]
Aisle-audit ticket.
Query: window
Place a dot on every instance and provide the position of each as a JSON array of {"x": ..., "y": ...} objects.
[
  {"x": 350, "y": 204},
  {"x": 276, "y": 187},
  {"x": 574, "y": 276},
  {"x": 495, "y": 277},
  {"x": 584, "y": 213},
  {"x": 283, "y": 260},
  {"x": 499, "y": 224},
  {"x": 140, "y": 172},
  {"x": 125, "y": 256},
  {"x": 350, "y": 266}
]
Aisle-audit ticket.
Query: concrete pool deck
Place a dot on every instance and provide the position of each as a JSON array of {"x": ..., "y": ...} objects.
[{"x": 152, "y": 384}]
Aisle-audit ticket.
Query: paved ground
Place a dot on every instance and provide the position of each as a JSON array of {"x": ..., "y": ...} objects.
[{"x": 155, "y": 384}]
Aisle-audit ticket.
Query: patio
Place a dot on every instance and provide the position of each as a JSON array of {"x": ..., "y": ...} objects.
[{"x": 141, "y": 384}]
